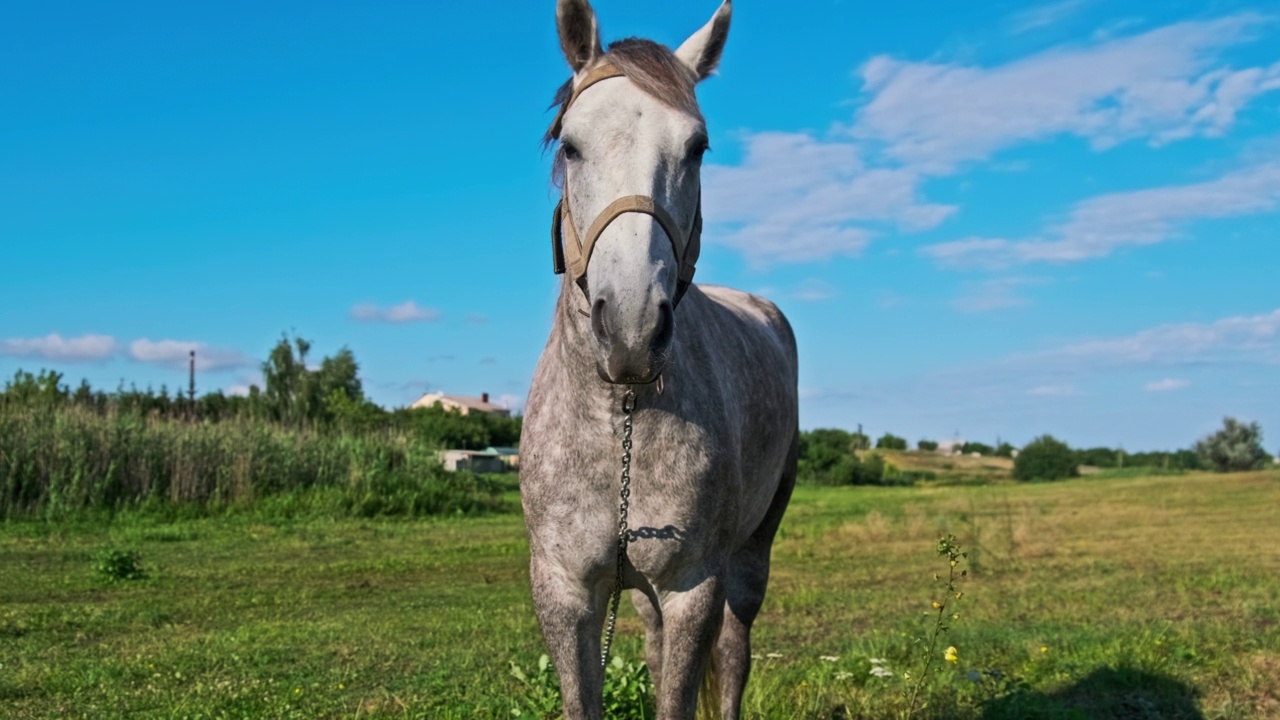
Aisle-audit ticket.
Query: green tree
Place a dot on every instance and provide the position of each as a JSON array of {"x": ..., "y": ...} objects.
[
  {"x": 976, "y": 447},
  {"x": 1236, "y": 447},
  {"x": 296, "y": 394},
  {"x": 1045, "y": 458},
  {"x": 889, "y": 441},
  {"x": 927, "y": 445},
  {"x": 288, "y": 395}
]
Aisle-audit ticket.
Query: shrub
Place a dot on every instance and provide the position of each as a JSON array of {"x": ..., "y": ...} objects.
[
  {"x": 889, "y": 441},
  {"x": 117, "y": 565},
  {"x": 927, "y": 445},
  {"x": 976, "y": 447},
  {"x": 1005, "y": 450},
  {"x": 1234, "y": 448},
  {"x": 1045, "y": 458}
]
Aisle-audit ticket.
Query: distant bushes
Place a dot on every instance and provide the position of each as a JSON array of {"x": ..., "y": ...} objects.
[
  {"x": 1045, "y": 458},
  {"x": 831, "y": 457},
  {"x": 927, "y": 445},
  {"x": 977, "y": 448}
]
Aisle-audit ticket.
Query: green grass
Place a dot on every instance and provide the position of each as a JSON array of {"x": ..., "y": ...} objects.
[{"x": 1143, "y": 597}]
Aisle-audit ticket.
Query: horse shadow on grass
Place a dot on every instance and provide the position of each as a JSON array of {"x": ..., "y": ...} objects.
[{"x": 1105, "y": 694}]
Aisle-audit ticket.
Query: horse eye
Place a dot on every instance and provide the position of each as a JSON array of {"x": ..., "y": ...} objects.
[
  {"x": 697, "y": 150},
  {"x": 570, "y": 151}
]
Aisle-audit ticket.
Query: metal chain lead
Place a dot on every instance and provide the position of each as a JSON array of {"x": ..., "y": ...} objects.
[{"x": 624, "y": 534}]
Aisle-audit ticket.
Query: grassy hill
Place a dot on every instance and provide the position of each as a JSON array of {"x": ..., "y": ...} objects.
[{"x": 950, "y": 469}]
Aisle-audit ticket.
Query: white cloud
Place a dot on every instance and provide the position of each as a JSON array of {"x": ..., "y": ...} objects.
[
  {"x": 1101, "y": 225},
  {"x": 1161, "y": 85},
  {"x": 797, "y": 197},
  {"x": 176, "y": 353},
  {"x": 794, "y": 197},
  {"x": 1043, "y": 16},
  {"x": 514, "y": 403},
  {"x": 1054, "y": 391},
  {"x": 85, "y": 348},
  {"x": 1253, "y": 338},
  {"x": 996, "y": 294},
  {"x": 406, "y": 312},
  {"x": 1166, "y": 385},
  {"x": 815, "y": 290}
]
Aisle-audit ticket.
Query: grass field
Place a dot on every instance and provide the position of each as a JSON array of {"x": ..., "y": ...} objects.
[{"x": 1133, "y": 598}]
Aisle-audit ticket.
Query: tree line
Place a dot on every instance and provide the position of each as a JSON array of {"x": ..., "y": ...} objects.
[
  {"x": 327, "y": 397},
  {"x": 831, "y": 456}
]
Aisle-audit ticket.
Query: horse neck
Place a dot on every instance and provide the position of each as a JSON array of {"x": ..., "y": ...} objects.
[{"x": 571, "y": 335}]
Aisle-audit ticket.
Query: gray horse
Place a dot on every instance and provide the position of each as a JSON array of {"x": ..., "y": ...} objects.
[{"x": 713, "y": 372}]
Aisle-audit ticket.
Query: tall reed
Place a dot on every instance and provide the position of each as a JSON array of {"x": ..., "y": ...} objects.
[{"x": 60, "y": 460}]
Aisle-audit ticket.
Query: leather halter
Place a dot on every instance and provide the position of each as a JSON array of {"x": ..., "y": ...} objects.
[{"x": 571, "y": 253}]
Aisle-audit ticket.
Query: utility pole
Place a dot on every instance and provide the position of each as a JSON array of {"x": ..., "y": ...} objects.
[{"x": 191, "y": 385}]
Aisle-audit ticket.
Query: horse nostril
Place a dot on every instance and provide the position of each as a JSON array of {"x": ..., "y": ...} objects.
[
  {"x": 665, "y": 329},
  {"x": 597, "y": 321}
]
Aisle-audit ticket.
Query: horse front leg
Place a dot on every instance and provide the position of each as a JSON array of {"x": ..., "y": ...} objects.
[
  {"x": 690, "y": 622},
  {"x": 572, "y": 616},
  {"x": 651, "y": 613}
]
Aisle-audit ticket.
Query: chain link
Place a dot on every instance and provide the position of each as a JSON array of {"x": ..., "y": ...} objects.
[{"x": 624, "y": 534}]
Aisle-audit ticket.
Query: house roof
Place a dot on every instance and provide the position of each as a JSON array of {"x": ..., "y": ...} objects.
[{"x": 467, "y": 401}]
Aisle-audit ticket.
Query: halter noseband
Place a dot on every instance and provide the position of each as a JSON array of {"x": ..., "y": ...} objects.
[{"x": 573, "y": 253}]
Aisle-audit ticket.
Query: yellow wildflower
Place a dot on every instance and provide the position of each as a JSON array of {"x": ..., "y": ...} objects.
[{"x": 951, "y": 655}]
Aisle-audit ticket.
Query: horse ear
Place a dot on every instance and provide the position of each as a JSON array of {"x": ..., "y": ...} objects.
[
  {"x": 579, "y": 36},
  {"x": 701, "y": 52}
]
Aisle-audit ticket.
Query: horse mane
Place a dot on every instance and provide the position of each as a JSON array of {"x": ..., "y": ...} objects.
[{"x": 652, "y": 67}]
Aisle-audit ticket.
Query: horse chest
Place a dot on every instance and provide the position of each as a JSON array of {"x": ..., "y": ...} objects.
[{"x": 676, "y": 509}]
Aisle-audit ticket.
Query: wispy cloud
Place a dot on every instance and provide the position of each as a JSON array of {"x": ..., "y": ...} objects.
[
  {"x": 794, "y": 199},
  {"x": 1166, "y": 385},
  {"x": 1054, "y": 391},
  {"x": 800, "y": 197},
  {"x": 1043, "y": 16},
  {"x": 1099, "y": 226},
  {"x": 510, "y": 401},
  {"x": 406, "y": 312},
  {"x": 54, "y": 347},
  {"x": 995, "y": 294},
  {"x": 1254, "y": 338},
  {"x": 177, "y": 353},
  {"x": 815, "y": 290},
  {"x": 1162, "y": 85}
]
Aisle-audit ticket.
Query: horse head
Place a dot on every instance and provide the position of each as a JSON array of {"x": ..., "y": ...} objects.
[{"x": 631, "y": 140}]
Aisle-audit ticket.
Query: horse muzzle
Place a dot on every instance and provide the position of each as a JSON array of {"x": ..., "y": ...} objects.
[{"x": 630, "y": 352}]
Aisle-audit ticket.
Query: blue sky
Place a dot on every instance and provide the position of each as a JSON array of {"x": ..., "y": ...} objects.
[{"x": 994, "y": 222}]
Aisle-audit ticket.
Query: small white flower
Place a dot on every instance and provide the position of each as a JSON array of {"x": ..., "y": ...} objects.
[
  {"x": 877, "y": 661},
  {"x": 881, "y": 672},
  {"x": 843, "y": 675},
  {"x": 829, "y": 658}
]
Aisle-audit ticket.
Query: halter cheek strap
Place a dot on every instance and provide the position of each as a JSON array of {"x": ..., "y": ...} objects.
[{"x": 569, "y": 253}]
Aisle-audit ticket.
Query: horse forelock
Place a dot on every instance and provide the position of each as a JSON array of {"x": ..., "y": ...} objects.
[{"x": 652, "y": 67}]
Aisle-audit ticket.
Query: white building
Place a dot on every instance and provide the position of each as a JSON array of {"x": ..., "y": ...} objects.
[{"x": 464, "y": 404}]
